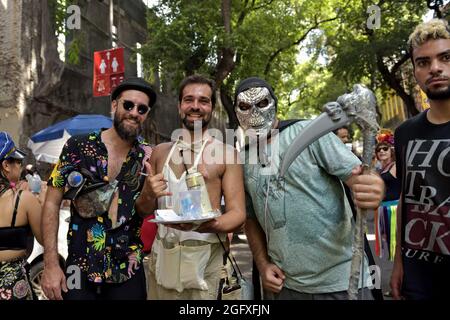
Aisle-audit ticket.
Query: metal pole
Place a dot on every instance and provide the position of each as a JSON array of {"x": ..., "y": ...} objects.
[{"x": 111, "y": 22}]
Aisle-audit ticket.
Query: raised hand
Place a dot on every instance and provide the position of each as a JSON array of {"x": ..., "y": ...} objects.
[
  {"x": 155, "y": 185},
  {"x": 368, "y": 189}
]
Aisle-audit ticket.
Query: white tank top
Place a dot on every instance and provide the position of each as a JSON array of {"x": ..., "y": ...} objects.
[{"x": 175, "y": 186}]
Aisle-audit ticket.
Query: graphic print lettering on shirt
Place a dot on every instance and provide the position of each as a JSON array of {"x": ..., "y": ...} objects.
[{"x": 427, "y": 195}]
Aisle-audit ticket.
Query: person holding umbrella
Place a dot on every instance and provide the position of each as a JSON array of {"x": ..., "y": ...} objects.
[{"x": 104, "y": 174}]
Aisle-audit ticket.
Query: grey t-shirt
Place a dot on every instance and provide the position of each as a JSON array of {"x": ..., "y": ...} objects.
[{"x": 308, "y": 221}]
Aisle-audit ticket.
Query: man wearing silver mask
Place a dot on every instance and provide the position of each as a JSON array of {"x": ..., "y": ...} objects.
[
  {"x": 257, "y": 108},
  {"x": 300, "y": 230}
]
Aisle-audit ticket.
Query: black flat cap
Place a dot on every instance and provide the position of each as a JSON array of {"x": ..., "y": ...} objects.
[{"x": 135, "y": 83}]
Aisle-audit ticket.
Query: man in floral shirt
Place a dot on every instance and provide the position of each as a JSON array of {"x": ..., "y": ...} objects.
[{"x": 102, "y": 174}]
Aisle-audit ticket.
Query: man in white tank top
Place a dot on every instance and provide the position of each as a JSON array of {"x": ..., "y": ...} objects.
[{"x": 186, "y": 264}]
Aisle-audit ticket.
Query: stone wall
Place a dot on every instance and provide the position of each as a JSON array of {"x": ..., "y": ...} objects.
[
  {"x": 11, "y": 96},
  {"x": 38, "y": 89}
]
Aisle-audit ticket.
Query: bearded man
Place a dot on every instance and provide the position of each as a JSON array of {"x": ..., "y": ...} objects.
[
  {"x": 186, "y": 263},
  {"x": 103, "y": 175}
]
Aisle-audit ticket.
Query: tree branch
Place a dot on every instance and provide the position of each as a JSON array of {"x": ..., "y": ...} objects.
[
  {"x": 227, "y": 103},
  {"x": 394, "y": 83},
  {"x": 296, "y": 42},
  {"x": 196, "y": 60},
  {"x": 252, "y": 7},
  {"x": 263, "y": 5},
  {"x": 400, "y": 62},
  {"x": 225, "y": 64},
  {"x": 226, "y": 16}
]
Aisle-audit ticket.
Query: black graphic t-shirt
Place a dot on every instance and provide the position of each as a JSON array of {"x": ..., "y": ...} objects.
[{"x": 423, "y": 165}]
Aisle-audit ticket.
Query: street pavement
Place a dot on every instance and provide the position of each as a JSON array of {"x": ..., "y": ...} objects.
[
  {"x": 242, "y": 254},
  {"x": 384, "y": 263}
]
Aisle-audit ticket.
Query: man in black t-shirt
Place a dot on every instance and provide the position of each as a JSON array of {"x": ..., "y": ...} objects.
[{"x": 422, "y": 144}]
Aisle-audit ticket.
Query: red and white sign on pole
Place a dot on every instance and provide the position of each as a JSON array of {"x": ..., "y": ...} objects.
[{"x": 109, "y": 70}]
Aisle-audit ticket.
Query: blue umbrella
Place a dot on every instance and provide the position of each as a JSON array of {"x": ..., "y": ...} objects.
[
  {"x": 80, "y": 124},
  {"x": 47, "y": 144}
]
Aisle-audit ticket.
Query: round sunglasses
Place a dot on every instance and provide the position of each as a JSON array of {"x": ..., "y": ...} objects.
[
  {"x": 129, "y": 105},
  {"x": 382, "y": 148}
]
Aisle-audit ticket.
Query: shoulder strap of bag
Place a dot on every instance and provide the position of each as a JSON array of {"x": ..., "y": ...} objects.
[
  {"x": 284, "y": 124},
  {"x": 228, "y": 254}
]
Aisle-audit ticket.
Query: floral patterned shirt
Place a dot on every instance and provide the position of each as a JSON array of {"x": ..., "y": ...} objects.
[{"x": 103, "y": 245}]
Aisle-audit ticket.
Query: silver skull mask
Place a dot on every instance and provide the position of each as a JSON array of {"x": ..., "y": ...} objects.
[{"x": 256, "y": 109}]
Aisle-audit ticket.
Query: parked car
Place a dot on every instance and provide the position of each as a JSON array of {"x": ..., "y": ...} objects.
[{"x": 36, "y": 258}]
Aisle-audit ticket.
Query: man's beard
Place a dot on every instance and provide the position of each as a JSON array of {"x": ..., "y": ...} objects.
[
  {"x": 190, "y": 125},
  {"x": 438, "y": 95},
  {"x": 127, "y": 134}
]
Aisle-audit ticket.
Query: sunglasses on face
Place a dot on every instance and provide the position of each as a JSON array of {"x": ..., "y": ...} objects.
[
  {"x": 382, "y": 148},
  {"x": 129, "y": 105}
]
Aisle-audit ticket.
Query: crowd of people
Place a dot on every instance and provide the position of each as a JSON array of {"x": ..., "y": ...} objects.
[{"x": 300, "y": 230}]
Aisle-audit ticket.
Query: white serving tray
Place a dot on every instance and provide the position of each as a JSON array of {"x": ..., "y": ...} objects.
[{"x": 168, "y": 216}]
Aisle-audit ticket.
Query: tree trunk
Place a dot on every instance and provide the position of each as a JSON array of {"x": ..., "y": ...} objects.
[
  {"x": 395, "y": 84},
  {"x": 227, "y": 103},
  {"x": 51, "y": 66},
  {"x": 226, "y": 62}
]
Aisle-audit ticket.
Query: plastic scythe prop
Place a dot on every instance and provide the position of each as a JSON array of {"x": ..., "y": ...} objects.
[{"x": 359, "y": 106}]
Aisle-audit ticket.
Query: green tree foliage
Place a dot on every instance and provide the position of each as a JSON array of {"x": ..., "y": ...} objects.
[
  {"x": 230, "y": 40},
  {"x": 182, "y": 38},
  {"x": 375, "y": 56},
  {"x": 58, "y": 9},
  {"x": 233, "y": 39}
]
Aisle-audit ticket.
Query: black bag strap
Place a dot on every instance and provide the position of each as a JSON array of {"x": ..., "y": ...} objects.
[
  {"x": 83, "y": 188},
  {"x": 16, "y": 205},
  {"x": 284, "y": 124},
  {"x": 227, "y": 253}
]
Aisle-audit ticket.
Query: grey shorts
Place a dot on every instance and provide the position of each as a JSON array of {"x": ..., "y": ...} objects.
[{"x": 288, "y": 294}]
